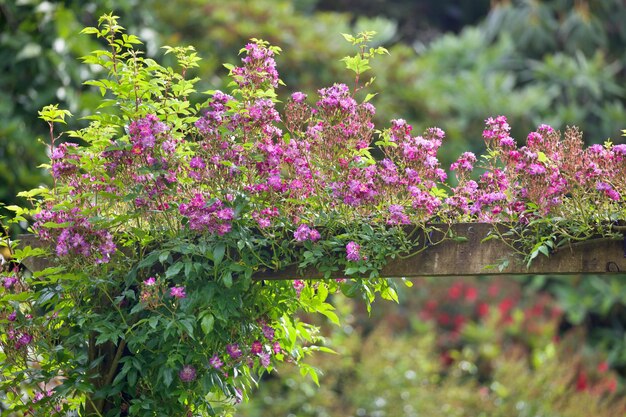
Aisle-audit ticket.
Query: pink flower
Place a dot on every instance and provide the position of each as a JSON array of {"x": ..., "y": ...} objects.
[
  {"x": 233, "y": 350},
  {"x": 314, "y": 235},
  {"x": 505, "y": 306},
  {"x": 268, "y": 332},
  {"x": 302, "y": 233},
  {"x": 265, "y": 359},
  {"x": 9, "y": 282},
  {"x": 23, "y": 340},
  {"x": 581, "y": 382},
  {"x": 298, "y": 285},
  {"x": 216, "y": 362},
  {"x": 39, "y": 395},
  {"x": 464, "y": 163},
  {"x": 536, "y": 169},
  {"x": 608, "y": 191},
  {"x": 305, "y": 233},
  {"x": 612, "y": 385},
  {"x": 298, "y": 97},
  {"x": 397, "y": 215},
  {"x": 455, "y": 291},
  {"x": 187, "y": 374},
  {"x": 482, "y": 309},
  {"x": 256, "y": 347},
  {"x": 352, "y": 251},
  {"x": 178, "y": 292},
  {"x": 149, "y": 282}
]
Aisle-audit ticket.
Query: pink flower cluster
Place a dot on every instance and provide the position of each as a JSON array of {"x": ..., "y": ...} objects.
[
  {"x": 63, "y": 161},
  {"x": 74, "y": 234},
  {"x": 353, "y": 252},
  {"x": 19, "y": 339},
  {"x": 145, "y": 132},
  {"x": 236, "y": 164},
  {"x": 539, "y": 178},
  {"x": 208, "y": 216},
  {"x": 259, "y": 68},
  {"x": 305, "y": 233},
  {"x": 259, "y": 351}
]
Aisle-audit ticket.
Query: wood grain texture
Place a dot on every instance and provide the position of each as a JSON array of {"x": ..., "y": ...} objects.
[{"x": 473, "y": 257}]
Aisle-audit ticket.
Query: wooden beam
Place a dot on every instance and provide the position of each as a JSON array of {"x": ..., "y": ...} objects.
[
  {"x": 469, "y": 258},
  {"x": 473, "y": 257}
]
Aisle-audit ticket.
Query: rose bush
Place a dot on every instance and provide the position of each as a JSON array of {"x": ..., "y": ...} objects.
[{"x": 166, "y": 208}]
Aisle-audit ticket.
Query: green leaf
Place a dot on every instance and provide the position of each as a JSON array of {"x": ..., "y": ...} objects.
[
  {"x": 369, "y": 96},
  {"x": 174, "y": 269},
  {"x": 132, "y": 377},
  {"x": 306, "y": 369},
  {"x": 390, "y": 294},
  {"x": 168, "y": 376},
  {"x": 164, "y": 256},
  {"x": 90, "y": 31},
  {"x": 352, "y": 270},
  {"x": 188, "y": 325},
  {"x": 227, "y": 279},
  {"x": 348, "y": 37},
  {"x": 218, "y": 253},
  {"x": 331, "y": 316},
  {"x": 207, "y": 323}
]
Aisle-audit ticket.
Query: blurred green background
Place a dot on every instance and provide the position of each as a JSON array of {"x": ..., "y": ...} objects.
[{"x": 452, "y": 64}]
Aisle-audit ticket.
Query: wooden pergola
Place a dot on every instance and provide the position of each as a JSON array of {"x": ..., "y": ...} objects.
[{"x": 471, "y": 257}]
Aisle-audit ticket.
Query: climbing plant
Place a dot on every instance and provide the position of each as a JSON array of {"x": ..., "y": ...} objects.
[{"x": 166, "y": 209}]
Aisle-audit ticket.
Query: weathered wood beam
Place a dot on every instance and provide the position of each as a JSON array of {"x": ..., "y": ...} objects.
[
  {"x": 469, "y": 258},
  {"x": 474, "y": 257}
]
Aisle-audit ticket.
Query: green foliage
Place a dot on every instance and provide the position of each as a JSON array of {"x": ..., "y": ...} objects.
[
  {"x": 596, "y": 303},
  {"x": 403, "y": 363},
  {"x": 574, "y": 49}
]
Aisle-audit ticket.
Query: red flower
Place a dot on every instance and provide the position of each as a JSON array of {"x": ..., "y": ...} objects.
[
  {"x": 482, "y": 310},
  {"x": 505, "y": 306},
  {"x": 459, "y": 321},
  {"x": 471, "y": 294},
  {"x": 455, "y": 291},
  {"x": 431, "y": 305},
  {"x": 443, "y": 319},
  {"x": 581, "y": 382},
  {"x": 536, "y": 310},
  {"x": 611, "y": 385},
  {"x": 493, "y": 290},
  {"x": 446, "y": 358}
]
